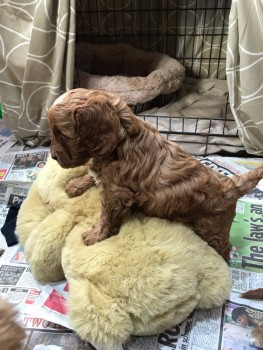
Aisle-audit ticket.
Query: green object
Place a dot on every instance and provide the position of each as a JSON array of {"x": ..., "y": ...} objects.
[{"x": 246, "y": 236}]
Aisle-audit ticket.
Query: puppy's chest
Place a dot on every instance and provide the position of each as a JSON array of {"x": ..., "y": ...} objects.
[
  {"x": 95, "y": 176},
  {"x": 105, "y": 172},
  {"x": 103, "y": 177}
]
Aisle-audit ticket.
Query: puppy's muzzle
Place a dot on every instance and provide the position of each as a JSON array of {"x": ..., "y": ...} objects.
[{"x": 54, "y": 156}]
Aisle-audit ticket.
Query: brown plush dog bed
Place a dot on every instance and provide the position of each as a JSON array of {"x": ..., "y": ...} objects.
[{"x": 143, "y": 79}]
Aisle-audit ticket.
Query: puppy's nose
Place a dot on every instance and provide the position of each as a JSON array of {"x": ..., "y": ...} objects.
[{"x": 54, "y": 156}]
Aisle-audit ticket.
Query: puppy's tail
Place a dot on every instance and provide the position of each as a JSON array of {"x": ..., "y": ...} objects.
[
  {"x": 246, "y": 182},
  {"x": 256, "y": 294}
]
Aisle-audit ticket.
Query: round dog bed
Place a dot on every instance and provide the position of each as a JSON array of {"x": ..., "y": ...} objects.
[
  {"x": 146, "y": 279},
  {"x": 143, "y": 79}
]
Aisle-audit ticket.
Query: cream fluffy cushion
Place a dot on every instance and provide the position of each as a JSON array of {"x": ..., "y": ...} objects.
[{"x": 142, "y": 281}]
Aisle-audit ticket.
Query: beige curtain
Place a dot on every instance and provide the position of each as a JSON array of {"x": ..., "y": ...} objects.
[
  {"x": 244, "y": 71},
  {"x": 37, "y": 49}
]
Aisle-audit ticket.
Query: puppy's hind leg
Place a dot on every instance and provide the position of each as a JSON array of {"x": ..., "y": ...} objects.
[
  {"x": 215, "y": 231},
  {"x": 77, "y": 186}
]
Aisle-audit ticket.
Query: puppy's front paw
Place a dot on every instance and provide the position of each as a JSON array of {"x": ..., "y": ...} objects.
[
  {"x": 93, "y": 236},
  {"x": 73, "y": 188}
]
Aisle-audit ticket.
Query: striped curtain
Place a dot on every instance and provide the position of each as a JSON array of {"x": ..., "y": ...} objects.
[
  {"x": 37, "y": 49},
  {"x": 244, "y": 71}
]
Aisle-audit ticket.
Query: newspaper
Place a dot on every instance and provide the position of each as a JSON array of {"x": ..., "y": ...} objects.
[
  {"x": 234, "y": 335},
  {"x": 18, "y": 285},
  {"x": 42, "y": 335},
  {"x": 23, "y": 166},
  {"x": 43, "y": 308},
  {"x": 6, "y": 138},
  {"x": 19, "y": 163},
  {"x": 40, "y": 306},
  {"x": 16, "y": 281}
]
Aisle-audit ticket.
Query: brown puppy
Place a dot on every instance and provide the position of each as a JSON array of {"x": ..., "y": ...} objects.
[
  {"x": 11, "y": 334},
  {"x": 138, "y": 167}
]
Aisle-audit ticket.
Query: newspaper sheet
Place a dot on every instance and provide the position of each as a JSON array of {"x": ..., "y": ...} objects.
[
  {"x": 235, "y": 333},
  {"x": 23, "y": 166},
  {"x": 43, "y": 308}
]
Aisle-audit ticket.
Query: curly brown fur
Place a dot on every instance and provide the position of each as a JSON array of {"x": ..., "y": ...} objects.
[
  {"x": 11, "y": 334},
  {"x": 138, "y": 167}
]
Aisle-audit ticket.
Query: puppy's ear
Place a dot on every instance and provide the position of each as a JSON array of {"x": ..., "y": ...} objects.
[{"x": 98, "y": 126}]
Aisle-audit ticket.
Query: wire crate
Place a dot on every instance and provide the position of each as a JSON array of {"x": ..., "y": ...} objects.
[{"x": 192, "y": 31}]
